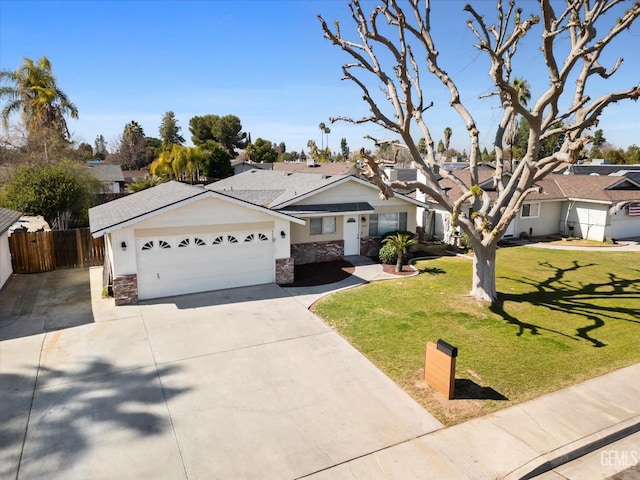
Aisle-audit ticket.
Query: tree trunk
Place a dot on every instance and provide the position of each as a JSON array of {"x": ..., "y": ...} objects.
[
  {"x": 484, "y": 273},
  {"x": 399, "y": 263}
]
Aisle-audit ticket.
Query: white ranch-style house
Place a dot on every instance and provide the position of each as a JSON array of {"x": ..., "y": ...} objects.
[{"x": 248, "y": 229}]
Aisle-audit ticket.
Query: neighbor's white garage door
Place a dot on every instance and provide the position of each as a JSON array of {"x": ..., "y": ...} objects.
[
  {"x": 176, "y": 265},
  {"x": 624, "y": 225}
]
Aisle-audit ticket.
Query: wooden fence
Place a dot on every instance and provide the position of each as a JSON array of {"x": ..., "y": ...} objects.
[{"x": 33, "y": 252}]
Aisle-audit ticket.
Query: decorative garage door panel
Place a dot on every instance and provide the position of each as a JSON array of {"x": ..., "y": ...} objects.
[{"x": 179, "y": 265}]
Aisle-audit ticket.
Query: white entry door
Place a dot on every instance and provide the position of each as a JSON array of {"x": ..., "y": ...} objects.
[{"x": 351, "y": 235}]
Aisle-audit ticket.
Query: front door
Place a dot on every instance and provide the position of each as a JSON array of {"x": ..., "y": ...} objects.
[{"x": 351, "y": 236}]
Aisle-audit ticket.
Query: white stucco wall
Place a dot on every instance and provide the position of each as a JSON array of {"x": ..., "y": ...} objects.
[
  {"x": 623, "y": 225},
  {"x": 209, "y": 215},
  {"x": 5, "y": 259},
  {"x": 547, "y": 223}
]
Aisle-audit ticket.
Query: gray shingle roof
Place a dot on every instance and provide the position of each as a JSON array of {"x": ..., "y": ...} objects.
[
  {"x": 257, "y": 197},
  {"x": 334, "y": 168},
  {"x": 8, "y": 218},
  {"x": 287, "y": 185},
  {"x": 141, "y": 203},
  {"x": 106, "y": 173}
]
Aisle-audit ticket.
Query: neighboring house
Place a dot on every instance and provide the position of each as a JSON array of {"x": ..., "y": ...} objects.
[
  {"x": 110, "y": 176},
  {"x": 585, "y": 206},
  {"x": 311, "y": 166},
  {"x": 244, "y": 166},
  {"x": 7, "y": 219},
  {"x": 248, "y": 229},
  {"x": 599, "y": 207}
]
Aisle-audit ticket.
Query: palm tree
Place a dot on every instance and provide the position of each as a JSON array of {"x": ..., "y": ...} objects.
[
  {"x": 447, "y": 139},
  {"x": 402, "y": 242},
  {"x": 524, "y": 95},
  {"x": 132, "y": 146},
  {"x": 32, "y": 91},
  {"x": 327, "y": 131},
  {"x": 145, "y": 182},
  {"x": 322, "y": 128}
]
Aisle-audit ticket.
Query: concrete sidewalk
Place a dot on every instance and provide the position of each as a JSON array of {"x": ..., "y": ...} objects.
[
  {"x": 626, "y": 245},
  {"x": 519, "y": 442}
]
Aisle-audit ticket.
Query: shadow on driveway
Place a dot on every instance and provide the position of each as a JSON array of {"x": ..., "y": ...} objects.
[
  {"x": 71, "y": 417},
  {"x": 40, "y": 302}
]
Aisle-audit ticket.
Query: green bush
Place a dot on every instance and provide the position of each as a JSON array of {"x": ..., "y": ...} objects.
[{"x": 388, "y": 254}]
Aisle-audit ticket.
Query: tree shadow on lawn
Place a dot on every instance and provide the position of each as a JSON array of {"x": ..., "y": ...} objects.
[
  {"x": 46, "y": 430},
  {"x": 561, "y": 295}
]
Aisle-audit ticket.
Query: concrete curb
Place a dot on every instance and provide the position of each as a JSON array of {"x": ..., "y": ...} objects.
[{"x": 576, "y": 449}]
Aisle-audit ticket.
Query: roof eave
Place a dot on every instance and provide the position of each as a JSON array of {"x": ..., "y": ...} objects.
[{"x": 198, "y": 196}]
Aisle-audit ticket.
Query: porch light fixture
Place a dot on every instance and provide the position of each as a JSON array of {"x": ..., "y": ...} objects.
[
  {"x": 283, "y": 234},
  {"x": 123, "y": 245},
  {"x": 363, "y": 219}
]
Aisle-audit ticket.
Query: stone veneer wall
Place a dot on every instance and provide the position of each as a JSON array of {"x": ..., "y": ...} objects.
[
  {"x": 284, "y": 271},
  {"x": 125, "y": 289},
  {"x": 370, "y": 246},
  {"x": 314, "y": 252}
]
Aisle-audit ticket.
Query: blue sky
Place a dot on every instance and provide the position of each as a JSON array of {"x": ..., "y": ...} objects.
[{"x": 262, "y": 60}]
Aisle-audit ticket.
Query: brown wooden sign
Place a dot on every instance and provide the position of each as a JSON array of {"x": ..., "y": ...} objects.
[{"x": 440, "y": 367}]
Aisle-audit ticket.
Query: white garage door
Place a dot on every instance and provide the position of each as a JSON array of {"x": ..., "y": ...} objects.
[
  {"x": 624, "y": 225},
  {"x": 176, "y": 265}
]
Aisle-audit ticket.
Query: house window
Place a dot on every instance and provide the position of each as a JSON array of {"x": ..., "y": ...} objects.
[
  {"x": 163, "y": 244},
  {"x": 232, "y": 239},
  {"x": 262, "y": 237},
  {"x": 148, "y": 245},
  {"x": 249, "y": 238},
  {"x": 381, "y": 223},
  {"x": 199, "y": 242},
  {"x": 217, "y": 241},
  {"x": 184, "y": 243},
  {"x": 322, "y": 226},
  {"x": 530, "y": 210}
]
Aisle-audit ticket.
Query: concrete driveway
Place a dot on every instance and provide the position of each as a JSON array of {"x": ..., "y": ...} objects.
[{"x": 243, "y": 383}]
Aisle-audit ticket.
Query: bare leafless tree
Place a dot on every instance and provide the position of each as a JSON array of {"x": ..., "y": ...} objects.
[{"x": 389, "y": 32}]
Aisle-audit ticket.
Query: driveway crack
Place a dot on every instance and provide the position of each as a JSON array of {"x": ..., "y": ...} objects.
[{"x": 33, "y": 395}]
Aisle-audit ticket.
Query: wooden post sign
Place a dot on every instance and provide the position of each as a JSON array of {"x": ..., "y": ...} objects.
[{"x": 440, "y": 367}]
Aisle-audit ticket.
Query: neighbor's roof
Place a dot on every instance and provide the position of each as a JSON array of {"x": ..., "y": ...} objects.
[
  {"x": 597, "y": 188},
  {"x": 601, "y": 189},
  {"x": 333, "y": 168},
  {"x": 8, "y": 218},
  {"x": 106, "y": 173},
  {"x": 599, "y": 169}
]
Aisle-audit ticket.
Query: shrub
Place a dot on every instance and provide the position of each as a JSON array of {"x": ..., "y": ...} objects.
[
  {"x": 465, "y": 243},
  {"x": 388, "y": 254}
]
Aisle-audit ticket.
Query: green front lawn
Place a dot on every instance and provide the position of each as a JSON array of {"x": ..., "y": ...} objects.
[{"x": 567, "y": 316}]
